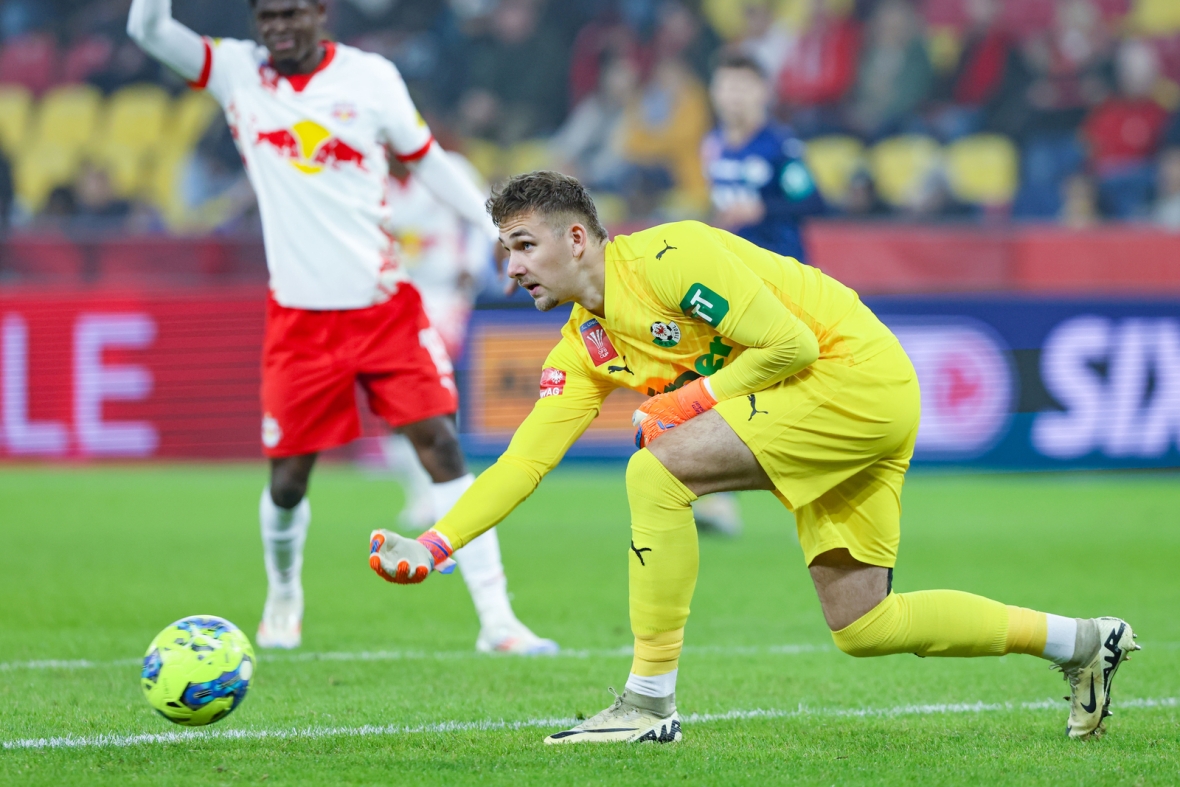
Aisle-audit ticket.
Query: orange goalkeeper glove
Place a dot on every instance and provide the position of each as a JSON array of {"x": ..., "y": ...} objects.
[
  {"x": 667, "y": 411},
  {"x": 408, "y": 561}
]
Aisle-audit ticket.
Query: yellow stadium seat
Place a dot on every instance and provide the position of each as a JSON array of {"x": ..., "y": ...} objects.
[
  {"x": 486, "y": 157},
  {"x": 944, "y": 48},
  {"x": 188, "y": 119},
  {"x": 1155, "y": 17},
  {"x": 982, "y": 169},
  {"x": 127, "y": 169},
  {"x": 612, "y": 209},
  {"x": 191, "y": 115},
  {"x": 833, "y": 160},
  {"x": 901, "y": 165},
  {"x": 129, "y": 134},
  {"x": 162, "y": 187},
  {"x": 44, "y": 167},
  {"x": 135, "y": 118},
  {"x": 67, "y": 117},
  {"x": 529, "y": 156},
  {"x": 16, "y": 106}
]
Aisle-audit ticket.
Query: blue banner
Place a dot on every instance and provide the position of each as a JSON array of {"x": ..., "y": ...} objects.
[{"x": 1007, "y": 381}]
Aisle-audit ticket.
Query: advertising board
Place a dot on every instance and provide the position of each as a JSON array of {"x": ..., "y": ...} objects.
[{"x": 1007, "y": 381}]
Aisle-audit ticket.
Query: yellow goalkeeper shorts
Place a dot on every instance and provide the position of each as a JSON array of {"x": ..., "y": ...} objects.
[{"x": 836, "y": 441}]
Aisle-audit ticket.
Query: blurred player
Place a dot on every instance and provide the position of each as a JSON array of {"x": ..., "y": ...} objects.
[
  {"x": 761, "y": 190},
  {"x": 776, "y": 377},
  {"x": 445, "y": 257},
  {"x": 313, "y": 121}
]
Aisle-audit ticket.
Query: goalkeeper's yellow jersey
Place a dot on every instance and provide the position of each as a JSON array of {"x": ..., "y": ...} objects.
[{"x": 682, "y": 301}]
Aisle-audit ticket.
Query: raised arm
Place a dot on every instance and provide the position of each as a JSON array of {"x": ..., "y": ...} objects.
[
  {"x": 449, "y": 183},
  {"x": 414, "y": 145},
  {"x": 150, "y": 24},
  {"x": 569, "y": 400}
]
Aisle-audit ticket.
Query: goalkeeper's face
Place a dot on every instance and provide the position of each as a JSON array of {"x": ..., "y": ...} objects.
[{"x": 544, "y": 258}]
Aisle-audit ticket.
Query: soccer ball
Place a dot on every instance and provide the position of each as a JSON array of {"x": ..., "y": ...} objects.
[{"x": 197, "y": 670}]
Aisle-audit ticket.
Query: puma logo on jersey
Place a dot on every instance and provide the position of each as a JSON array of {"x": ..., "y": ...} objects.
[
  {"x": 754, "y": 408},
  {"x": 639, "y": 553},
  {"x": 623, "y": 368},
  {"x": 667, "y": 248}
]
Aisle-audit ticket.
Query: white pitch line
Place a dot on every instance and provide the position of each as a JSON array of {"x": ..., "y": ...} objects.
[
  {"x": 448, "y": 655},
  {"x": 311, "y": 733},
  {"x": 423, "y": 655}
]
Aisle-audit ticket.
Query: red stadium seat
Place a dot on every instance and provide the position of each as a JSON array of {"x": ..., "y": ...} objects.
[
  {"x": 30, "y": 60},
  {"x": 42, "y": 259},
  {"x": 1113, "y": 9},
  {"x": 1169, "y": 54},
  {"x": 154, "y": 261},
  {"x": 86, "y": 57},
  {"x": 944, "y": 13},
  {"x": 1029, "y": 16}
]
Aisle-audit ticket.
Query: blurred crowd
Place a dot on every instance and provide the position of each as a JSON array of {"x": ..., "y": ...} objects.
[{"x": 1066, "y": 109}]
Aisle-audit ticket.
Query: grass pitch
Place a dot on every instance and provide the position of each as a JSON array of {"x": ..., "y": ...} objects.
[{"x": 387, "y": 688}]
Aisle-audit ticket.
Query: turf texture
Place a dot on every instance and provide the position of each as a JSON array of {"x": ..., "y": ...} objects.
[{"x": 387, "y": 688}]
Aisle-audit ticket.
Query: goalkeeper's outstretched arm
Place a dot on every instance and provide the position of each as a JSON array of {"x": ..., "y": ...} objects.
[
  {"x": 570, "y": 400},
  {"x": 536, "y": 448}
]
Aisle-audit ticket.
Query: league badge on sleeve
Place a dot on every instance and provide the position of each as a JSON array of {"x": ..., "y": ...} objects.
[
  {"x": 665, "y": 334},
  {"x": 597, "y": 343},
  {"x": 552, "y": 382}
]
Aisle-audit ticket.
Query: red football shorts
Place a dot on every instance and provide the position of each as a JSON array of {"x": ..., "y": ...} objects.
[{"x": 312, "y": 362}]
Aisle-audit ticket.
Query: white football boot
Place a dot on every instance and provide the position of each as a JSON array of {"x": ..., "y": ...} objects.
[
  {"x": 718, "y": 513},
  {"x": 282, "y": 621},
  {"x": 632, "y": 718},
  {"x": 1090, "y": 678},
  {"x": 515, "y": 639}
]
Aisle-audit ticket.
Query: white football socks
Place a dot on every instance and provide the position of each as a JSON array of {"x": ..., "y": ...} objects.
[
  {"x": 284, "y": 532},
  {"x": 402, "y": 459},
  {"x": 479, "y": 561},
  {"x": 653, "y": 685},
  {"x": 1061, "y": 638}
]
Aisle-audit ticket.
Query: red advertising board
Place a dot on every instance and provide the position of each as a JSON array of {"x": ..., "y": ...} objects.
[{"x": 130, "y": 374}]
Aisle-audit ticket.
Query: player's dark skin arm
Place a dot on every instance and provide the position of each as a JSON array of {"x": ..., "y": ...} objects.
[{"x": 435, "y": 439}]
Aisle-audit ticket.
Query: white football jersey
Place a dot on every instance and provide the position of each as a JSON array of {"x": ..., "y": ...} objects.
[
  {"x": 314, "y": 147},
  {"x": 436, "y": 246}
]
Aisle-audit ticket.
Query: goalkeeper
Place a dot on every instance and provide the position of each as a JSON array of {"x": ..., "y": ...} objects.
[{"x": 762, "y": 373}]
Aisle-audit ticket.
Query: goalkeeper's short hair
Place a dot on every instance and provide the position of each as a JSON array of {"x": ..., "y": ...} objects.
[{"x": 560, "y": 199}]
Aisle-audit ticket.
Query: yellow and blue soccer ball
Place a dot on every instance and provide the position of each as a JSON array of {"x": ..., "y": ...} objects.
[{"x": 198, "y": 670}]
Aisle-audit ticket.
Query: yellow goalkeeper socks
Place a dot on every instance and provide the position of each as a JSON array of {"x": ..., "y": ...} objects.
[
  {"x": 1027, "y": 631},
  {"x": 944, "y": 623},
  {"x": 663, "y": 563}
]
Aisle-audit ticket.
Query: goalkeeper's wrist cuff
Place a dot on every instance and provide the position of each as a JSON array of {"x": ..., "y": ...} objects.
[
  {"x": 695, "y": 398},
  {"x": 440, "y": 549}
]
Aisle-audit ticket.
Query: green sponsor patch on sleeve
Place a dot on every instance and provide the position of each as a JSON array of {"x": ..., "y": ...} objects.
[{"x": 703, "y": 304}]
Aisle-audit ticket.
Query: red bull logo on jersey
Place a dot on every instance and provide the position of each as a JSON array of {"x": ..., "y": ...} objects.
[
  {"x": 597, "y": 343},
  {"x": 310, "y": 148}
]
